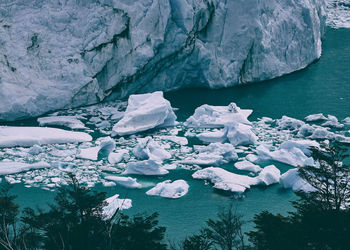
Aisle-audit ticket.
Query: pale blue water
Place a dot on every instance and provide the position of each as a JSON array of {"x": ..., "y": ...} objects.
[{"x": 322, "y": 87}]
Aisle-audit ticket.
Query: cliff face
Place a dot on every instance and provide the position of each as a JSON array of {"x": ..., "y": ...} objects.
[{"x": 67, "y": 53}]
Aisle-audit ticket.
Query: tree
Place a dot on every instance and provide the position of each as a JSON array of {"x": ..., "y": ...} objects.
[{"x": 197, "y": 242}]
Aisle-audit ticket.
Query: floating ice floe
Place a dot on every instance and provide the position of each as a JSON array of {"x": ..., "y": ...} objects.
[
  {"x": 235, "y": 133},
  {"x": 124, "y": 181},
  {"x": 147, "y": 167},
  {"x": 225, "y": 180},
  {"x": 29, "y": 136},
  {"x": 114, "y": 204},
  {"x": 315, "y": 118},
  {"x": 10, "y": 167},
  {"x": 332, "y": 122},
  {"x": 207, "y": 116},
  {"x": 176, "y": 139},
  {"x": 118, "y": 156},
  {"x": 147, "y": 148},
  {"x": 168, "y": 189},
  {"x": 347, "y": 121},
  {"x": 291, "y": 179},
  {"x": 247, "y": 166},
  {"x": 214, "y": 154},
  {"x": 269, "y": 175},
  {"x": 64, "y": 121},
  {"x": 35, "y": 150},
  {"x": 107, "y": 145},
  {"x": 288, "y": 123},
  {"x": 306, "y": 130},
  {"x": 144, "y": 112},
  {"x": 290, "y": 152}
]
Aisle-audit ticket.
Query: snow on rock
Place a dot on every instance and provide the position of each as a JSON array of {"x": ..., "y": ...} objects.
[
  {"x": 118, "y": 156},
  {"x": 291, "y": 179},
  {"x": 144, "y": 112},
  {"x": 124, "y": 181},
  {"x": 147, "y": 167},
  {"x": 247, "y": 166},
  {"x": 225, "y": 180},
  {"x": 114, "y": 204},
  {"x": 207, "y": 116},
  {"x": 315, "y": 117},
  {"x": 168, "y": 189},
  {"x": 10, "y": 167},
  {"x": 269, "y": 175},
  {"x": 147, "y": 148},
  {"x": 64, "y": 121},
  {"x": 29, "y": 136},
  {"x": 237, "y": 134},
  {"x": 288, "y": 123},
  {"x": 214, "y": 154}
]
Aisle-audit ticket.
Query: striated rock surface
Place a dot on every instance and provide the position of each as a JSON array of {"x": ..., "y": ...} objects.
[{"x": 68, "y": 53}]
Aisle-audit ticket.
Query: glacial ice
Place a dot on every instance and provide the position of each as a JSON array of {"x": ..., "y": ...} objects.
[
  {"x": 10, "y": 167},
  {"x": 114, "y": 204},
  {"x": 291, "y": 179},
  {"x": 147, "y": 148},
  {"x": 146, "y": 167},
  {"x": 29, "y": 136},
  {"x": 207, "y": 116},
  {"x": 288, "y": 123},
  {"x": 315, "y": 117},
  {"x": 168, "y": 189},
  {"x": 176, "y": 139},
  {"x": 64, "y": 121},
  {"x": 118, "y": 156},
  {"x": 247, "y": 166},
  {"x": 124, "y": 181},
  {"x": 144, "y": 112},
  {"x": 107, "y": 145},
  {"x": 269, "y": 175},
  {"x": 332, "y": 122}
]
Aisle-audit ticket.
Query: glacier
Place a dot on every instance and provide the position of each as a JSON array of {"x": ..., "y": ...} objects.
[{"x": 64, "y": 54}]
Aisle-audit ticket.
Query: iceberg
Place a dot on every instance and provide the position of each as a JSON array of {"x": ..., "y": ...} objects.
[
  {"x": 247, "y": 166},
  {"x": 332, "y": 122},
  {"x": 288, "y": 123},
  {"x": 114, "y": 204},
  {"x": 147, "y": 167},
  {"x": 63, "y": 121},
  {"x": 144, "y": 112},
  {"x": 168, "y": 189},
  {"x": 269, "y": 175},
  {"x": 116, "y": 157},
  {"x": 291, "y": 179},
  {"x": 124, "y": 181},
  {"x": 315, "y": 117},
  {"x": 207, "y": 116},
  {"x": 10, "y": 167},
  {"x": 147, "y": 148},
  {"x": 225, "y": 180},
  {"x": 29, "y": 136}
]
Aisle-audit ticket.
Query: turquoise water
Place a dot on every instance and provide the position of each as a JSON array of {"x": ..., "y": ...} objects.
[{"x": 322, "y": 87}]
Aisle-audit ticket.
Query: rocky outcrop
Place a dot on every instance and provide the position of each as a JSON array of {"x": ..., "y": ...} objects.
[{"x": 67, "y": 53}]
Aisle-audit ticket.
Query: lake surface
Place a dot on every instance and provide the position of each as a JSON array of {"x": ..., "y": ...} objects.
[{"x": 323, "y": 87}]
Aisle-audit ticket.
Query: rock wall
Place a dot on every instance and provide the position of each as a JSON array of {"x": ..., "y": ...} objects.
[{"x": 58, "y": 54}]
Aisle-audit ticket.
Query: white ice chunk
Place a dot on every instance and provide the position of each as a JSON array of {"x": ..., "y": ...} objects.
[
  {"x": 269, "y": 175},
  {"x": 207, "y": 116},
  {"x": 107, "y": 145},
  {"x": 35, "y": 150},
  {"x": 147, "y": 167},
  {"x": 89, "y": 153},
  {"x": 144, "y": 112},
  {"x": 124, "y": 181},
  {"x": 306, "y": 130},
  {"x": 225, "y": 180},
  {"x": 332, "y": 122},
  {"x": 248, "y": 166},
  {"x": 315, "y": 117},
  {"x": 303, "y": 145},
  {"x": 176, "y": 139},
  {"x": 64, "y": 121},
  {"x": 168, "y": 189},
  {"x": 29, "y": 136},
  {"x": 114, "y": 204},
  {"x": 347, "y": 120},
  {"x": 288, "y": 123},
  {"x": 147, "y": 148},
  {"x": 10, "y": 167},
  {"x": 291, "y": 179},
  {"x": 118, "y": 156}
]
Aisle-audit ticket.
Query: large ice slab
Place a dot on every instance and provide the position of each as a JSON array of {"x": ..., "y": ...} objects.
[
  {"x": 291, "y": 179},
  {"x": 207, "y": 116},
  {"x": 147, "y": 167},
  {"x": 247, "y": 166},
  {"x": 269, "y": 175},
  {"x": 147, "y": 148},
  {"x": 124, "y": 181},
  {"x": 114, "y": 204},
  {"x": 64, "y": 121},
  {"x": 168, "y": 189},
  {"x": 29, "y": 136},
  {"x": 144, "y": 112},
  {"x": 10, "y": 167}
]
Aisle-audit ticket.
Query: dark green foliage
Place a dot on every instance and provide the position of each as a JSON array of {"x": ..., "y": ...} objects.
[
  {"x": 197, "y": 242},
  {"x": 322, "y": 217}
]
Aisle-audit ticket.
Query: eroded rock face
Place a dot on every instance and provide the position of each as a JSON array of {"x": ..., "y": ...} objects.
[{"x": 68, "y": 53}]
